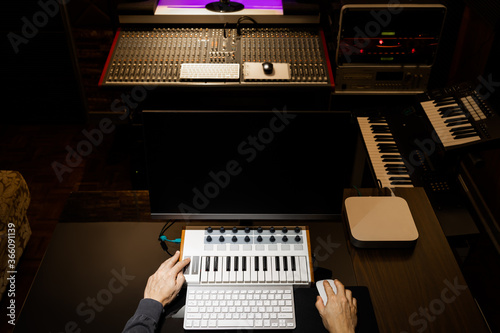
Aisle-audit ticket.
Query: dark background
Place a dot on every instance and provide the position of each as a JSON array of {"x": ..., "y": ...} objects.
[{"x": 50, "y": 95}]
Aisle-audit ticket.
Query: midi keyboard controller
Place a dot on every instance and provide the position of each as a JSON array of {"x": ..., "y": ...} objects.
[{"x": 208, "y": 56}]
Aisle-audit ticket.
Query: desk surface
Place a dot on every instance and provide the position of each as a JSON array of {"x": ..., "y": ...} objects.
[
  {"x": 420, "y": 289},
  {"x": 93, "y": 275}
]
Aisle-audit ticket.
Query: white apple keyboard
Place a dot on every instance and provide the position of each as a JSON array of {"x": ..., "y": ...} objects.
[
  {"x": 232, "y": 307},
  {"x": 321, "y": 289}
]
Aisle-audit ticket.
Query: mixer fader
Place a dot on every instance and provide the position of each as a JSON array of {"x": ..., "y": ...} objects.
[{"x": 161, "y": 56}]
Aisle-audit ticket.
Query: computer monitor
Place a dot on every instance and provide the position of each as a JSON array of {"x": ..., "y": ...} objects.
[{"x": 248, "y": 165}]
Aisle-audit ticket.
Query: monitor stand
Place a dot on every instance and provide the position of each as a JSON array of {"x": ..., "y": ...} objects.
[{"x": 224, "y": 6}]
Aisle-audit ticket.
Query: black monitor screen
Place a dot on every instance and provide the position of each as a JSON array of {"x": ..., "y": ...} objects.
[{"x": 248, "y": 165}]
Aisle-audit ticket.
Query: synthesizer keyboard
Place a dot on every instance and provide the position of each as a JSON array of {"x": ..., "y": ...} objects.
[
  {"x": 429, "y": 165},
  {"x": 460, "y": 116},
  {"x": 243, "y": 277},
  {"x": 244, "y": 256},
  {"x": 387, "y": 161}
]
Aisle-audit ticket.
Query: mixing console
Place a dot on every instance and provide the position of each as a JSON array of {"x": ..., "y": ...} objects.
[{"x": 156, "y": 55}]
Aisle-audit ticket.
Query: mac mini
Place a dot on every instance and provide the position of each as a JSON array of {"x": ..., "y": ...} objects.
[{"x": 380, "y": 222}]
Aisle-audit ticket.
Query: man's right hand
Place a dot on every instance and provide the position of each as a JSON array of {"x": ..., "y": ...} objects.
[{"x": 339, "y": 313}]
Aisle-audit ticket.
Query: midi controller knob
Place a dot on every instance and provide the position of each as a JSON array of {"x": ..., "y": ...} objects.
[
  {"x": 272, "y": 230},
  {"x": 209, "y": 230},
  {"x": 235, "y": 230},
  {"x": 285, "y": 230},
  {"x": 255, "y": 258}
]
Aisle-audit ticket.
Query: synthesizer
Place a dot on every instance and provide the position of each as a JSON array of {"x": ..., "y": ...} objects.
[
  {"x": 414, "y": 157},
  {"x": 194, "y": 56},
  {"x": 403, "y": 151},
  {"x": 460, "y": 116},
  {"x": 387, "y": 161},
  {"x": 243, "y": 277},
  {"x": 247, "y": 255}
]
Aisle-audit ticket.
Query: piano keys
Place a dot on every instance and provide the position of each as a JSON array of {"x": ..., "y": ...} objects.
[
  {"x": 263, "y": 255},
  {"x": 460, "y": 116},
  {"x": 450, "y": 122},
  {"x": 388, "y": 164},
  {"x": 252, "y": 269}
]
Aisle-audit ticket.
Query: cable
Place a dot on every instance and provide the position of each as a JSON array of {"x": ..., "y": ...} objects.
[
  {"x": 379, "y": 183},
  {"x": 392, "y": 193},
  {"x": 359, "y": 192},
  {"x": 163, "y": 239},
  {"x": 242, "y": 18}
]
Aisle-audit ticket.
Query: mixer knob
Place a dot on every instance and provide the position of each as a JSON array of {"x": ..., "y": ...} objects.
[
  {"x": 285, "y": 239},
  {"x": 259, "y": 239},
  {"x": 247, "y": 230},
  {"x": 247, "y": 239},
  {"x": 221, "y": 238},
  {"x": 234, "y": 239},
  {"x": 285, "y": 230},
  {"x": 297, "y": 238},
  {"x": 272, "y": 239},
  {"x": 209, "y": 239},
  {"x": 259, "y": 230},
  {"x": 209, "y": 230},
  {"x": 272, "y": 230},
  {"x": 235, "y": 230},
  {"x": 222, "y": 230},
  {"x": 297, "y": 229}
]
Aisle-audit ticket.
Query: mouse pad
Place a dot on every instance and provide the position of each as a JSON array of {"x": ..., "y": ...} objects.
[
  {"x": 307, "y": 316},
  {"x": 308, "y": 319}
]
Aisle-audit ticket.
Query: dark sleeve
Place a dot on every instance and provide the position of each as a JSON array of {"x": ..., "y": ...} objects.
[{"x": 145, "y": 318}]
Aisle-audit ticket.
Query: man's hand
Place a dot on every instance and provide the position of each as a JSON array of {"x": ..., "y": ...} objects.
[
  {"x": 339, "y": 314},
  {"x": 166, "y": 282}
]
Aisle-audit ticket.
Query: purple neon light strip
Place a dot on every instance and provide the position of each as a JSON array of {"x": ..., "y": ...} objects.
[{"x": 249, "y": 4}]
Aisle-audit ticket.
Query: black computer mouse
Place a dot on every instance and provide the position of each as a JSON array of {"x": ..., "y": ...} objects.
[{"x": 267, "y": 67}]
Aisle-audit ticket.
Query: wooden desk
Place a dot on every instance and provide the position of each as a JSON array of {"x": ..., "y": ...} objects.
[
  {"x": 93, "y": 276},
  {"x": 420, "y": 289},
  {"x": 83, "y": 258}
]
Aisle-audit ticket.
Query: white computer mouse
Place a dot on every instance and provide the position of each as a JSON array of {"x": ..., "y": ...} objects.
[{"x": 321, "y": 289}]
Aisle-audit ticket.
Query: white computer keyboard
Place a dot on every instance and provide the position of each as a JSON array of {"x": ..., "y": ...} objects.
[
  {"x": 197, "y": 71},
  {"x": 239, "y": 307}
]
